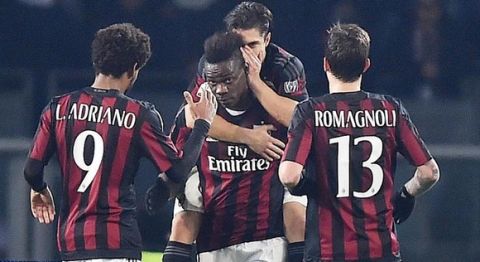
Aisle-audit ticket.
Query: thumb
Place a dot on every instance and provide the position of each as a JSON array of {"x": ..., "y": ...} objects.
[{"x": 188, "y": 98}]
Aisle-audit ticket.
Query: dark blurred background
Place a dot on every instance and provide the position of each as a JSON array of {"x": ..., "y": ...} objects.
[{"x": 426, "y": 52}]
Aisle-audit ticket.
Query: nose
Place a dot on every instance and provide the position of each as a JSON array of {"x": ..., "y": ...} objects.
[{"x": 221, "y": 88}]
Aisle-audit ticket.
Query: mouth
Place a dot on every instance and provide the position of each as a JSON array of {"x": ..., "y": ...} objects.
[{"x": 224, "y": 100}]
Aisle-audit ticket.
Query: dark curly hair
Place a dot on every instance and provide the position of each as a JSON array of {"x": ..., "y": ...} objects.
[
  {"x": 346, "y": 51},
  {"x": 117, "y": 48},
  {"x": 248, "y": 15},
  {"x": 223, "y": 46}
]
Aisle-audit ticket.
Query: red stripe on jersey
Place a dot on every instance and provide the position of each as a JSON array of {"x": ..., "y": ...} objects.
[
  {"x": 325, "y": 218},
  {"x": 368, "y": 204},
  {"x": 389, "y": 187},
  {"x": 60, "y": 127},
  {"x": 43, "y": 136},
  {"x": 345, "y": 209},
  {"x": 263, "y": 209},
  {"x": 220, "y": 210},
  {"x": 412, "y": 143},
  {"x": 120, "y": 159},
  {"x": 90, "y": 222},
  {"x": 74, "y": 181},
  {"x": 155, "y": 147},
  {"x": 241, "y": 208}
]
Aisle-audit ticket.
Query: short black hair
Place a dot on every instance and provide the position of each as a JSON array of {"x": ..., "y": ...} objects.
[
  {"x": 223, "y": 46},
  {"x": 116, "y": 49},
  {"x": 248, "y": 15},
  {"x": 346, "y": 50}
]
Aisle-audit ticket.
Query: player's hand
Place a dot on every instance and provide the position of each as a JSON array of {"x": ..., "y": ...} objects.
[
  {"x": 206, "y": 107},
  {"x": 262, "y": 143},
  {"x": 42, "y": 205},
  {"x": 403, "y": 205},
  {"x": 157, "y": 195},
  {"x": 253, "y": 63}
]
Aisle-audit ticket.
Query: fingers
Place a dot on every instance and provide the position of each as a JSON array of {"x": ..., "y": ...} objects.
[
  {"x": 266, "y": 156},
  {"x": 278, "y": 143},
  {"x": 272, "y": 153},
  {"x": 270, "y": 127},
  {"x": 188, "y": 98}
]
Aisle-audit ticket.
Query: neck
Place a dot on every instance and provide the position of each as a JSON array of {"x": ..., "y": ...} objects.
[
  {"x": 336, "y": 85},
  {"x": 109, "y": 82}
]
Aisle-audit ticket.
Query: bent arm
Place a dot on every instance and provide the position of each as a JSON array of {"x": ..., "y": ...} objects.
[
  {"x": 279, "y": 107},
  {"x": 424, "y": 178}
]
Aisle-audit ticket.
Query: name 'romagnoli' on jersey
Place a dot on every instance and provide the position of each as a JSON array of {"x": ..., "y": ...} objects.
[
  {"x": 98, "y": 114},
  {"x": 358, "y": 119}
]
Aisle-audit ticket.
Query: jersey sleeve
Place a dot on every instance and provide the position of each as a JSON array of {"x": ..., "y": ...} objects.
[
  {"x": 42, "y": 149},
  {"x": 157, "y": 146},
  {"x": 300, "y": 135},
  {"x": 291, "y": 80},
  {"x": 44, "y": 141},
  {"x": 180, "y": 131},
  {"x": 409, "y": 142}
]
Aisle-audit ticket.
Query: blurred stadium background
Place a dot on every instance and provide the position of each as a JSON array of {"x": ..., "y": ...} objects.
[{"x": 427, "y": 52}]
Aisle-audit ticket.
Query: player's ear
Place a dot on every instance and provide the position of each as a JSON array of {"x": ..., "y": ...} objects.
[
  {"x": 133, "y": 71},
  {"x": 268, "y": 37},
  {"x": 367, "y": 65},
  {"x": 326, "y": 65}
]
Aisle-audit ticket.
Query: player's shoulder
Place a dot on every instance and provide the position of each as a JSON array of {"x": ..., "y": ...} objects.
[
  {"x": 384, "y": 97},
  {"x": 284, "y": 63}
]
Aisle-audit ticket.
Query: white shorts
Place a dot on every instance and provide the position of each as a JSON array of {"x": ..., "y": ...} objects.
[
  {"x": 268, "y": 250},
  {"x": 194, "y": 200}
]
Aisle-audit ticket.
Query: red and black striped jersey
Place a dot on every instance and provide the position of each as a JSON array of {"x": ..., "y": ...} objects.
[
  {"x": 99, "y": 137},
  {"x": 241, "y": 191},
  {"x": 349, "y": 144},
  {"x": 281, "y": 71}
]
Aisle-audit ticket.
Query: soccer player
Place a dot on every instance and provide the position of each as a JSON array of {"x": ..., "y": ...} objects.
[
  {"x": 236, "y": 198},
  {"x": 100, "y": 135},
  {"x": 277, "y": 80},
  {"x": 348, "y": 142}
]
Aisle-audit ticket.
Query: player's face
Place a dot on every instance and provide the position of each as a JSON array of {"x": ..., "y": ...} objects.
[
  {"x": 257, "y": 41},
  {"x": 228, "y": 82}
]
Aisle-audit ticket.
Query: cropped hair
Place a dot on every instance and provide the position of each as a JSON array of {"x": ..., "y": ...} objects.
[
  {"x": 248, "y": 15},
  {"x": 346, "y": 50},
  {"x": 223, "y": 46},
  {"x": 116, "y": 49}
]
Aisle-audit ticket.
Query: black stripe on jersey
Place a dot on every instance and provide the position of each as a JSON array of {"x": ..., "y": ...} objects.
[
  {"x": 217, "y": 183},
  {"x": 292, "y": 71},
  {"x": 337, "y": 224},
  {"x": 356, "y": 183},
  {"x": 380, "y": 204},
  {"x": 230, "y": 208},
  {"x": 275, "y": 218},
  {"x": 312, "y": 234},
  {"x": 85, "y": 197},
  {"x": 102, "y": 204},
  {"x": 66, "y": 177},
  {"x": 252, "y": 214},
  {"x": 126, "y": 184}
]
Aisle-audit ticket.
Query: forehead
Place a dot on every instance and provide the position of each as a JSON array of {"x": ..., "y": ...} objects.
[
  {"x": 224, "y": 68},
  {"x": 249, "y": 35}
]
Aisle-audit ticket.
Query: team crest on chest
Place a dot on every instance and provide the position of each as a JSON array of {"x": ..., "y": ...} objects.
[{"x": 290, "y": 86}]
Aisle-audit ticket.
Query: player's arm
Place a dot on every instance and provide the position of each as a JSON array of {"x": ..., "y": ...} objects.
[
  {"x": 427, "y": 173},
  {"x": 259, "y": 139},
  {"x": 41, "y": 200},
  {"x": 297, "y": 152},
  {"x": 277, "y": 105}
]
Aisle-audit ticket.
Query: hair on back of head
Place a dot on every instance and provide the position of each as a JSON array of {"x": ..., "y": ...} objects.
[
  {"x": 248, "y": 15},
  {"x": 346, "y": 50},
  {"x": 118, "y": 47},
  {"x": 222, "y": 46}
]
